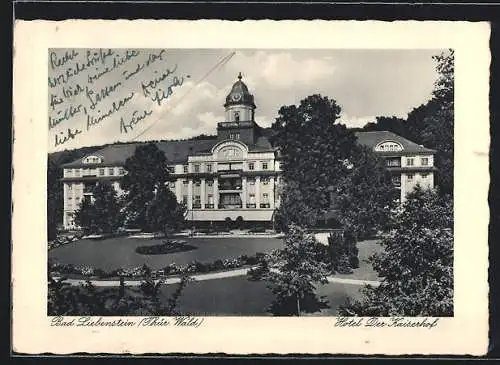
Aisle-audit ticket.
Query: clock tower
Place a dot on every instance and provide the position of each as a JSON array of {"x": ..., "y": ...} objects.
[
  {"x": 240, "y": 106},
  {"x": 239, "y": 122}
]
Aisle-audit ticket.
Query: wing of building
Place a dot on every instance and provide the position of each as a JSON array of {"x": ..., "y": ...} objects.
[{"x": 237, "y": 172}]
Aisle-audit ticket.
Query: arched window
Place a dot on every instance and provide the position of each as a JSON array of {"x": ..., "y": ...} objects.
[
  {"x": 236, "y": 116},
  {"x": 389, "y": 146}
]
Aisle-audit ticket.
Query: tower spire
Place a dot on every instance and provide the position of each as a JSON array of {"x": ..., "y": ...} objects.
[{"x": 239, "y": 76}]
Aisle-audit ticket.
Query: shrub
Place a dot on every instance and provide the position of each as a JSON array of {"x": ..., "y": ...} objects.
[
  {"x": 164, "y": 248},
  {"x": 343, "y": 251},
  {"x": 239, "y": 222}
]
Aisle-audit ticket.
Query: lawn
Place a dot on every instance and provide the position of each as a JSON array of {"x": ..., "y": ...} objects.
[
  {"x": 238, "y": 296},
  {"x": 120, "y": 252},
  {"x": 365, "y": 270}
]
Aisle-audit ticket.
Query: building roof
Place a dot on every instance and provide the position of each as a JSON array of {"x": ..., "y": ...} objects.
[
  {"x": 373, "y": 138},
  {"x": 239, "y": 94},
  {"x": 177, "y": 152}
]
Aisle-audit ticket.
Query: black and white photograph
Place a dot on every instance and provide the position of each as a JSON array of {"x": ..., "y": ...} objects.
[
  {"x": 320, "y": 191},
  {"x": 262, "y": 182}
]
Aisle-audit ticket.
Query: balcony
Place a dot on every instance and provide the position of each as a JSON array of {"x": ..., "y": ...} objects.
[
  {"x": 230, "y": 206},
  {"x": 230, "y": 184},
  {"x": 265, "y": 205},
  {"x": 251, "y": 205},
  {"x": 209, "y": 206},
  {"x": 196, "y": 206}
]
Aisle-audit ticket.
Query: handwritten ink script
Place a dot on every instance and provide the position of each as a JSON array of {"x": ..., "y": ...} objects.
[
  {"x": 87, "y": 321},
  {"x": 114, "y": 90},
  {"x": 392, "y": 322}
]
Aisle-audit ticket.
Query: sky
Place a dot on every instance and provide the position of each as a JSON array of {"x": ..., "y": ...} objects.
[{"x": 179, "y": 93}]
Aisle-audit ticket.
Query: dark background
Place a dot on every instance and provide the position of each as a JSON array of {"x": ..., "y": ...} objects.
[{"x": 251, "y": 10}]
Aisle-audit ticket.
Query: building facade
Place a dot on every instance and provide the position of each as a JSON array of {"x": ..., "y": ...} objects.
[{"x": 237, "y": 172}]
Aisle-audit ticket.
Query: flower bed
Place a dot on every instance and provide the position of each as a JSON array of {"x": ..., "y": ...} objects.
[
  {"x": 168, "y": 246},
  {"x": 140, "y": 272},
  {"x": 62, "y": 240}
]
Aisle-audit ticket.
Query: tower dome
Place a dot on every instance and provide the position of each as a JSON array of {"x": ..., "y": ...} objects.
[{"x": 239, "y": 95}]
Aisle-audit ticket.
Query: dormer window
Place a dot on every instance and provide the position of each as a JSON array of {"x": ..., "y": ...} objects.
[
  {"x": 92, "y": 159},
  {"x": 389, "y": 146}
]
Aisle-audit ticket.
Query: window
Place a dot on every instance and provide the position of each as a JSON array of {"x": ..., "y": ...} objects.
[
  {"x": 234, "y": 136},
  {"x": 111, "y": 171},
  {"x": 121, "y": 171},
  {"x": 396, "y": 180},
  {"x": 171, "y": 169},
  {"x": 265, "y": 180},
  {"x": 185, "y": 182},
  {"x": 69, "y": 172},
  {"x": 410, "y": 177},
  {"x": 424, "y": 176},
  {"x": 424, "y": 161},
  {"x": 197, "y": 201},
  {"x": 209, "y": 167},
  {"x": 101, "y": 172},
  {"x": 236, "y": 116},
  {"x": 251, "y": 181},
  {"x": 77, "y": 198},
  {"x": 210, "y": 182},
  {"x": 210, "y": 203},
  {"x": 196, "y": 168},
  {"x": 265, "y": 197},
  {"x": 197, "y": 182},
  {"x": 393, "y": 162},
  {"x": 264, "y": 165},
  {"x": 70, "y": 186},
  {"x": 77, "y": 172},
  {"x": 251, "y": 165},
  {"x": 409, "y": 161},
  {"x": 70, "y": 198},
  {"x": 184, "y": 199},
  {"x": 185, "y": 169}
]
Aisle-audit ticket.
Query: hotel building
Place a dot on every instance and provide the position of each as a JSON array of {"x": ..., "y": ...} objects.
[{"x": 237, "y": 172}]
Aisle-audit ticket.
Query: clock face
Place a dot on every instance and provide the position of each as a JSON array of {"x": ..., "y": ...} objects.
[{"x": 236, "y": 97}]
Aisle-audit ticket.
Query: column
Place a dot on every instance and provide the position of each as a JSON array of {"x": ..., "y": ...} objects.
[
  {"x": 178, "y": 190},
  {"x": 203, "y": 194},
  {"x": 216, "y": 193},
  {"x": 190, "y": 194},
  {"x": 271, "y": 192},
  {"x": 257, "y": 192},
  {"x": 244, "y": 192}
]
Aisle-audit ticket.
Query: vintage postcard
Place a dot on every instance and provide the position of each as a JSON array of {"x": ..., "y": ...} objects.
[{"x": 256, "y": 187}]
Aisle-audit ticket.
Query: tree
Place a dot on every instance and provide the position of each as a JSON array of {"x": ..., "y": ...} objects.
[
  {"x": 432, "y": 124},
  {"x": 147, "y": 174},
  {"x": 322, "y": 164},
  {"x": 163, "y": 212},
  {"x": 392, "y": 124},
  {"x": 87, "y": 300},
  {"x": 102, "y": 214},
  {"x": 364, "y": 198},
  {"x": 416, "y": 263},
  {"x": 293, "y": 272}
]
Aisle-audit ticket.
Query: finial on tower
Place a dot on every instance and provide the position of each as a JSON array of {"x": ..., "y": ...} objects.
[{"x": 239, "y": 76}]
